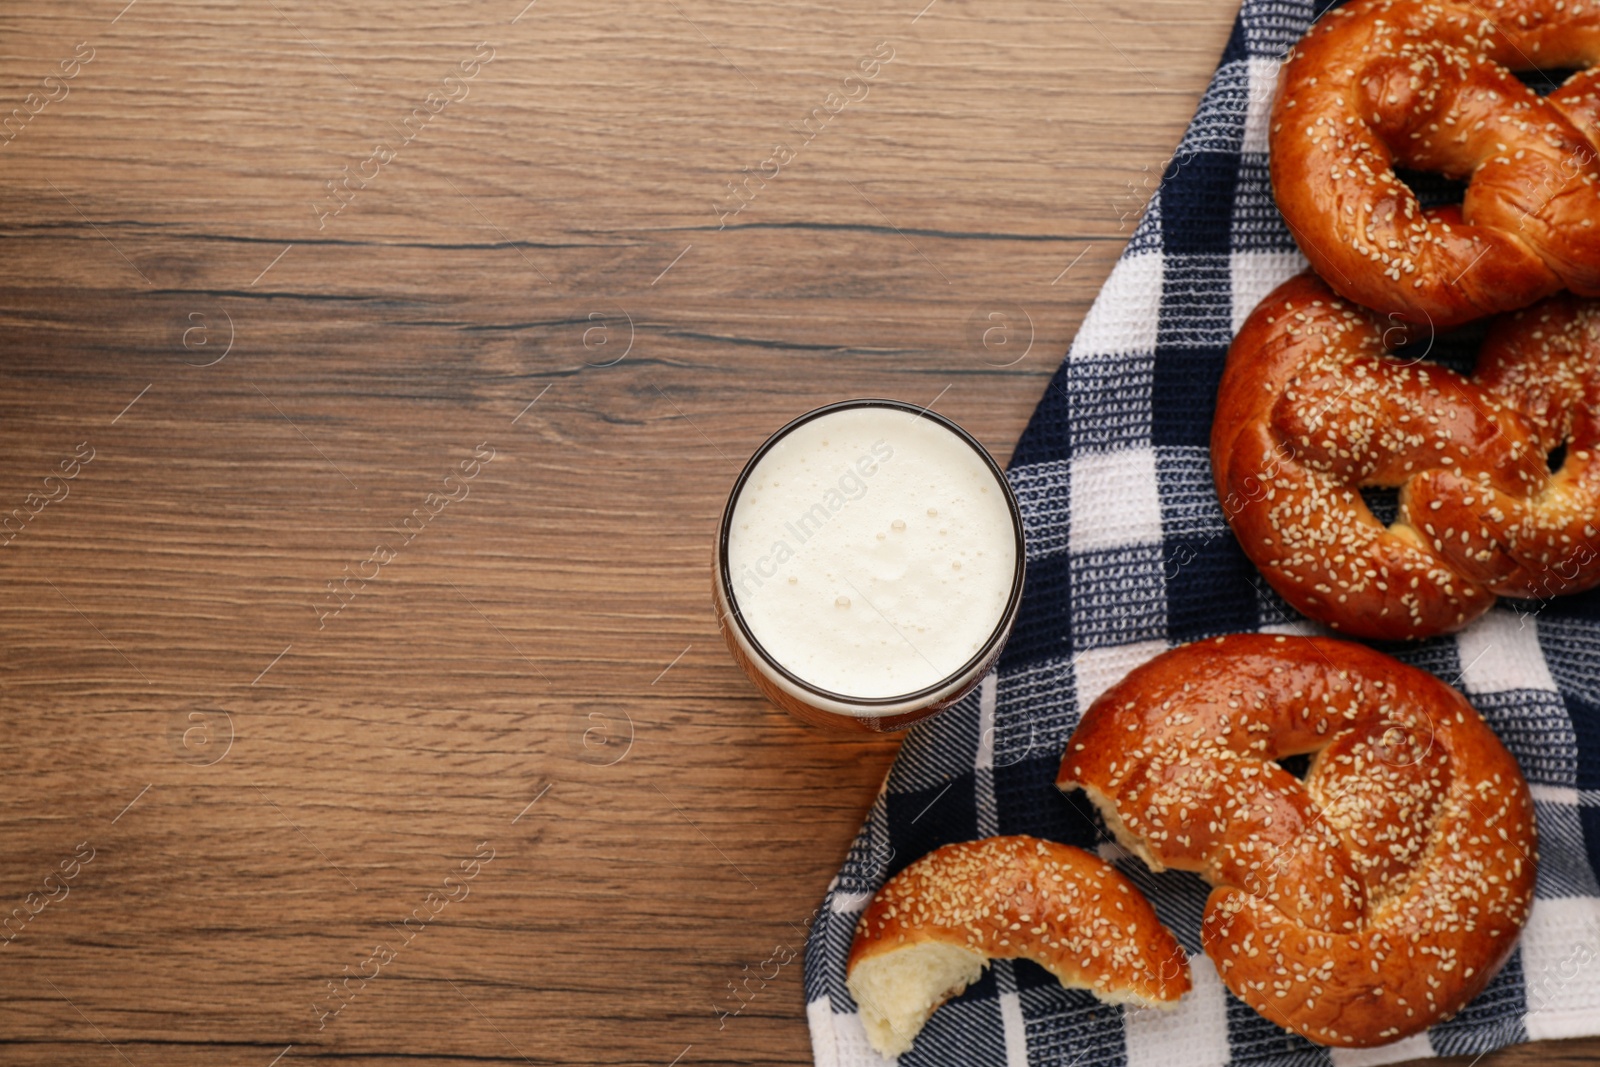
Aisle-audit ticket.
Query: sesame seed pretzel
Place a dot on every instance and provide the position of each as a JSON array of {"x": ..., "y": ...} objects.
[
  {"x": 931, "y": 930},
  {"x": 1361, "y": 905},
  {"x": 1312, "y": 409},
  {"x": 1380, "y": 83}
]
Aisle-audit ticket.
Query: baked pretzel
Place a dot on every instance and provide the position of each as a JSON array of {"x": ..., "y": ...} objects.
[
  {"x": 1359, "y": 906},
  {"x": 1380, "y": 83},
  {"x": 933, "y": 928},
  {"x": 1312, "y": 409}
]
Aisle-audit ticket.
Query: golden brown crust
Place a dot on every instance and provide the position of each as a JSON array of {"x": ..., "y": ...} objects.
[
  {"x": 1377, "y": 84},
  {"x": 1579, "y": 100},
  {"x": 1397, "y": 885},
  {"x": 1022, "y": 897},
  {"x": 1545, "y": 364},
  {"x": 1312, "y": 409}
]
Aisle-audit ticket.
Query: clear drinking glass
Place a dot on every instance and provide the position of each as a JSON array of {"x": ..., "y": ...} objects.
[{"x": 911, "y": 566}]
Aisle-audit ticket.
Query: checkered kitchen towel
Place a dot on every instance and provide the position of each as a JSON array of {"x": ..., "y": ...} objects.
[{"x": 1128, "y": 555}]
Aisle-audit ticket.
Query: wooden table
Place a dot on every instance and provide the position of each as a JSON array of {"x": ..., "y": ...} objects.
[{"x": 401, "y": 356}]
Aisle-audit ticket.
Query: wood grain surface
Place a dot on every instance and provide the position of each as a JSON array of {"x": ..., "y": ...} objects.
[{"x": 288, "y": 674}]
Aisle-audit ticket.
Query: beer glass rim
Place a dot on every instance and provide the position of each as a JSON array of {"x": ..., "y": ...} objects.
[{"x": 1002, "y": 625}]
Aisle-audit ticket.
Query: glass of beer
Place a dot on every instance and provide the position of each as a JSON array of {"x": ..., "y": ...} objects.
[{"x": 869, "y": 565}]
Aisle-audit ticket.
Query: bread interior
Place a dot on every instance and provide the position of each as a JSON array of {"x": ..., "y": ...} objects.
[{"x": 897, "y": 991}]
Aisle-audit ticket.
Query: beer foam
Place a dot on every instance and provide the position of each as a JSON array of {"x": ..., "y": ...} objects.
[{"x": 871, "y": 552}]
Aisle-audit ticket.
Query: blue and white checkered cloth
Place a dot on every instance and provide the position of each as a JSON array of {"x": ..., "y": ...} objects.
[{"x": 1128, "y": 555}]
